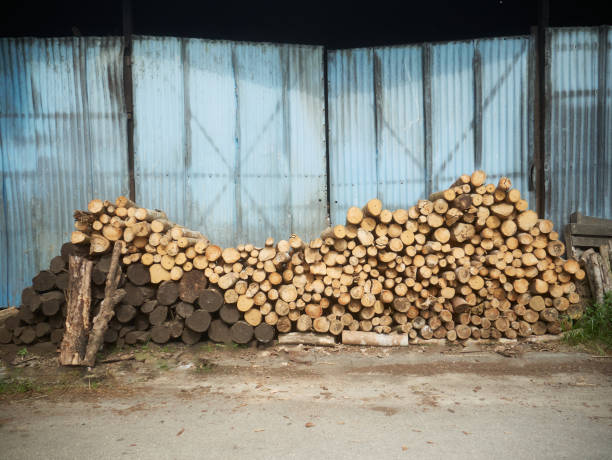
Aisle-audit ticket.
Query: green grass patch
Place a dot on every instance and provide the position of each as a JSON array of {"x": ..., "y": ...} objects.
[
  {"x": 11, "y": 386},
  {"x": 594, "y": 328}
]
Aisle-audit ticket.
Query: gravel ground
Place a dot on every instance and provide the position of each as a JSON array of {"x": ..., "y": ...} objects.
[{"x": 296, "y": 402}]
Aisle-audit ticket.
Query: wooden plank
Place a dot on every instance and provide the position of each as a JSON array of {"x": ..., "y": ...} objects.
[
  {"x": 591, "y": 229},
  {"x": 578, "y": 218},
  {"x": 588, "y": 241}
]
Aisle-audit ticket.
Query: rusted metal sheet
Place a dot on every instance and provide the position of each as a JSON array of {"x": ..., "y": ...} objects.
[
  {"x": 405, "y": 121},
  {"x": 230, "y": 137},
  {"x": 578, "y": 123},
  {"x": 62, "y": 140}
]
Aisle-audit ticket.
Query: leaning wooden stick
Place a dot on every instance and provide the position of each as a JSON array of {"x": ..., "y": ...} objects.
[{"x": 112, "y": 296}]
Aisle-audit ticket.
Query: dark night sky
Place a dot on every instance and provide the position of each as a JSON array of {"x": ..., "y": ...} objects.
[{"x": 333, "y": 24}]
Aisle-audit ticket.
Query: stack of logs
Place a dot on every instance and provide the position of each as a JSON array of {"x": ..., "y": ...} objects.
[{"x": 471, "y": 261}]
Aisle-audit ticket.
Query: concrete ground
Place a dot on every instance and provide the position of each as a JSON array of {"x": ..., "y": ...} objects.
[{"x": 294, "y": 402}]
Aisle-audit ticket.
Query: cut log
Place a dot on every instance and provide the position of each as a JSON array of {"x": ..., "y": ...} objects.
[
  {"x": 167, "y": 292},
  {"x": 199, "y": 321},
  {"x": 74, "y": 343},
  {"x": 44, "y": 281},
  {"x": 125, "y": 313},
  {"x": 264, "y": 333},
  {"x": 190, "y": 337},
  {"x": 210, "y": 300},
  {"x": 183, "y": 309},
  {"x": 301, "y": 338},
  {"x": 219, "y": 332},
  {"x": 51, "y": 302},
  {"x": 374, "y": 339},
  {"x": 138, "y": 274},
  {"x": 158, "y": 315},
  {"x": 241, "y": 332},
  {"x": 160, "y": 334}
]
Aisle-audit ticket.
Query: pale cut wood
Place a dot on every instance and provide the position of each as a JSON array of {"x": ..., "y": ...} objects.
[
  {"x": 374, "y": 339},
  {"x": 300, "y": 338}
]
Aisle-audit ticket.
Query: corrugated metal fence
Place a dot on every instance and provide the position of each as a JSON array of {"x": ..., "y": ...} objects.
[
  {"x": 230, "y": 137},
  {"x": 63, "y": 141},
  {"x": 406, "y": 121},
  {"x": 240, "y": 153},
  {"x": 579, "y": 123}
]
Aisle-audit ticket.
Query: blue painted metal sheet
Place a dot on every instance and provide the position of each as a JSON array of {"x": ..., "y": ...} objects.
[
  {"x": 376, "y": 128},
  {"x": 352, "y": 130},
  {"x": 507, "y": 108},
  {"x": 62, "y": 142},
  {"x": 233, "y": 144},
  {"x": 452, "y": 112},
  {"x": 578, "y": 146},
  {"x": 378, "y": 102}
]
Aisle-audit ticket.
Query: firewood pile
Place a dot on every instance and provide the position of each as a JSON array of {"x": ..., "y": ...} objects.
[{"x": 470, "y": 261}]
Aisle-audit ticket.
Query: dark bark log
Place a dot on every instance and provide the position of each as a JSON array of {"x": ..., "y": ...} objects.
[
  {"x": 42, "y": 329},
  {"x": 184, "y": 309},
  {"x": 61, "y": 281},
  {"x": 190, "y": 337},
  {"x": 167, "y": 292},
  {"x": 57, "y": 265},
  {"x": 28, "y": 335},
  {"x": 111, "y": 336},
  {"x": 158, "y": 315},
  {"x": 44, "y": 281},
  {"x": 134, "y": 337},
  {"x": 69, "y": 249},
  {"x": 219, "y": 332},
  {"x": 192, "y": 285},
  {"x": 134, "y": 295},
  {"x": 229, "y": 313},
  {"x": 160, "y": 334},
  {"x": 199, "y": 321},
  {"x": 31, "y": 298},
  {"x": 176, "y": 328},
  {"x": 6, "y": 336},
  {"x": 57, "y": 335},
  {"x": 264, "y": 333},
  {"x": 14, "y": 322},
  {"x": 138, "y": 274},
  {"x": 125, "y": 313},
  {"x": 74, "y": 343},
  {"x": 51, "y": 302},
  {"x": 148, "y": 306},
  {"x": 141, "y": 323},
  {"x": 242, "y": 332},
  {"x": 210, "y": 300},
  {"x": 26, "y": 314},
  {"x": 56, "y": 321}
]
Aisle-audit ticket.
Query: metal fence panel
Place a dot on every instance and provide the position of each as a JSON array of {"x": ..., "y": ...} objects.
[
  {"x": 63, "y": 140},
  {"x": 506, "y": 105},
  {"x": 229, "y": 137},
  {"x": 159, "y": 125},
  {"x": 352, "y": 130},
  {"x": 452, "y": 112},
  {"x": 579, "y": 158},
  {"x": 476, "y": 95},
  {"x": 400, "y": 126}
]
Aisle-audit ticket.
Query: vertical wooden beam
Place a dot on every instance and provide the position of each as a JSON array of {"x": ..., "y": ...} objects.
[
  {"x": 427, "y": 114},
  {"x": 540, "y": 108},
  {"x": 128, "y": 92}
]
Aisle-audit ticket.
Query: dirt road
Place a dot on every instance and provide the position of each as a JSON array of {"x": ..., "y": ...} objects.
[{"x": 318, "y": 403}]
